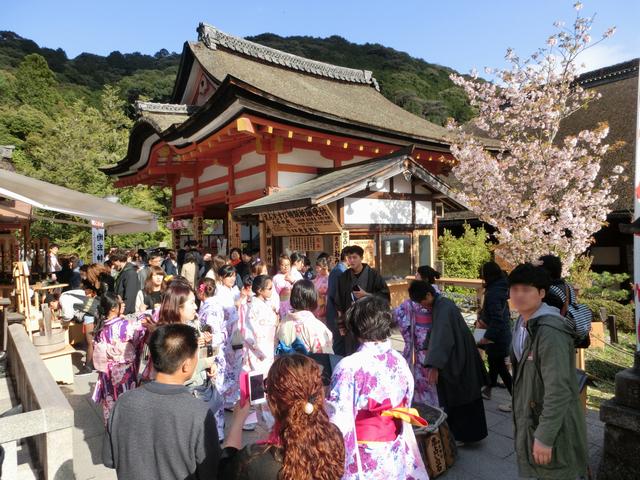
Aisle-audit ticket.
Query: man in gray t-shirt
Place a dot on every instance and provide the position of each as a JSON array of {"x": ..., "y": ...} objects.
[{"x": 160, "y": 430}]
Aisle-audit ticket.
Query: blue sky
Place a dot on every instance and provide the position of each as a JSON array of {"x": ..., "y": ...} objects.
[{"x": 462, "y": 34}]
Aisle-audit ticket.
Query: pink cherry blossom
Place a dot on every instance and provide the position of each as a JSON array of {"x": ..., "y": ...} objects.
[{"x": 543, "y": 193}]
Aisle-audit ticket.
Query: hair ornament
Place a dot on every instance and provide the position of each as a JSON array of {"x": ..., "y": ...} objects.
[{"x": 308, "y": 408}]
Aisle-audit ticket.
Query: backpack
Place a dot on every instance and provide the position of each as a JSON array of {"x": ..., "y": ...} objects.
[{"x": 577, "y": 315}]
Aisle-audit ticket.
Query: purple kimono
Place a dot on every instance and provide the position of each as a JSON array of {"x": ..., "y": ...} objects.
[
  {"x": 414, "y": 348},
  {"x": 117, "y": 350}
]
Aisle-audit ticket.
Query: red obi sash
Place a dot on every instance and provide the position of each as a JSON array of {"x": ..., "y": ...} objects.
[
  {"x": 423, "y": 318},
  {"x": 381, "y": 422},
  {"x": 285, "y": 295}
]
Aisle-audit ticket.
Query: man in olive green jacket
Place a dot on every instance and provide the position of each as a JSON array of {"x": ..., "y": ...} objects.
[{"x": 550, "y": 429}]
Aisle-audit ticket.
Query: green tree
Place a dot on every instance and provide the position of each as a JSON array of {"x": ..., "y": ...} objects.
[
  {"x": 69, "y": 150},
  {"x": 36, "y": 83},
  {"x": 463, "y": 256}
]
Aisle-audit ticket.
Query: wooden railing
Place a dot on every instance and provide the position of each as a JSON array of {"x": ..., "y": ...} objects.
[
  {"x": 47, "y": 417},
  {"x": 398, "y": 288}
]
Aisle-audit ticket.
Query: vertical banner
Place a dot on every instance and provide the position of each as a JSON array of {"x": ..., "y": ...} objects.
[
  {"x": 197, "y": 226},
  {"x": 97, "y": 241},
  {"x": 339, "y": 242},
  {"x": 235, "y": 240}
]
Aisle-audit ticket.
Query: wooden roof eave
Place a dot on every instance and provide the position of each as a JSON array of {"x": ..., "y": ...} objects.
[
  {"x": 433, "y": 183},
  {"x": 141, "y": 132},
  {"x": 184, "y": 70},
  {"x": 261, "y": 102}
]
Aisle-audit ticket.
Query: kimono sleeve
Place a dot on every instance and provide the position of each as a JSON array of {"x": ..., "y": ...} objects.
[
  {"x": 402, "y": 318},
  {"x": 214, "y": 317},
  {"x": 328, "y": 341},
  {"x": 441, "y": 340},
  {"x": 341, "y": 408},
  {"x": 380, "y": 287}
]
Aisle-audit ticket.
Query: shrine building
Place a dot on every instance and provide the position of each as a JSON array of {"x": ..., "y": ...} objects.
[{"x": 282, "y": 153}]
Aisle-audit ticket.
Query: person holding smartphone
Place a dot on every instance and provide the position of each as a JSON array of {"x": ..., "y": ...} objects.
[
  {"x": 302, "y": 444},
  {"x": 260, "y": 333},
  {"x": 359, "y": 281}
]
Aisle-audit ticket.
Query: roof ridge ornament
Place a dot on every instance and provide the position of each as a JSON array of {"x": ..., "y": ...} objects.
[
  {"x": 212, "y": 38},
  {"x": 154, "y": 107}
]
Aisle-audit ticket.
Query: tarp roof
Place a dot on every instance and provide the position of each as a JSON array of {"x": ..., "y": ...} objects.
[{"x": 47, "y": 196}]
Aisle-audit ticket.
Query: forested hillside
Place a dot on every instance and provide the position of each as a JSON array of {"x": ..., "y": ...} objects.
[{"x": 69, "y": 116}]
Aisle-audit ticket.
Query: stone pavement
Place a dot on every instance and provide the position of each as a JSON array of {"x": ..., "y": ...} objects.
[{"x": 491, "y": 459}]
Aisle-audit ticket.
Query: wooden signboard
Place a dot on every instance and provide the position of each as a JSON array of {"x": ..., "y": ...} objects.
[
  {"x": 311, "y": 243},
  {"x": 339, "y": 242},
  {"x": 302, "y": 221},
  {"x": 235, "y": 239}
]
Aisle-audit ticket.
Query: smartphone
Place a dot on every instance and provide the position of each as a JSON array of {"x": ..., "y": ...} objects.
[
  {"x": 356, "y": 287},
  {"x": 256, "y": 388}
]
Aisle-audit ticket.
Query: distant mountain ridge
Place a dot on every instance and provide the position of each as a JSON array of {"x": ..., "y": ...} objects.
[{"x": 414, "y": 84}]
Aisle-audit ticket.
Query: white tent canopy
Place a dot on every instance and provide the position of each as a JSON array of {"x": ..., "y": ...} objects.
[{"x": 47, "y": 196}]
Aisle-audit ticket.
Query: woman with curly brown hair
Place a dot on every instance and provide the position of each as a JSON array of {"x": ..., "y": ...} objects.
[{"x": 303, "y": 444}]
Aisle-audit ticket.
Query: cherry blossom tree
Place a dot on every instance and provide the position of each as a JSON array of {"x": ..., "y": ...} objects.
[{"x": 543, "y": 193}]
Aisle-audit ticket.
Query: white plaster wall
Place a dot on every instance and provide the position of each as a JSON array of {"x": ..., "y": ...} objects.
[
  {"x": 400, "y": 185},
  {"x": 249, "y": 160},
  {"x": 376, "y": 211},
  {"x": 212, "y": 172},
  {"x": 216, "y": 188},
  {"x": 184, "y": 199},
  {"x": 290, "y": 179},
  {"x": 424, "y": 213},
  {"x": 308, "y": 158},
  {"x": 421, "y": 189},
  {"x": 252, "y": 182},
  {"x": 184, "y": 182}
]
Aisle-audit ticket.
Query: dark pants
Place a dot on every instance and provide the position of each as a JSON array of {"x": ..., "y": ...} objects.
[
  {"x": 339, "y": 347},
  {"x": 497, "y": 366}
]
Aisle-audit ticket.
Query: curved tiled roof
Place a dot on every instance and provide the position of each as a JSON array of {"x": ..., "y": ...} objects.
[
  {"x": 212, "y": 37},
  {"x": 352, "y": 102},
  {"x": 163, "y": 115}
]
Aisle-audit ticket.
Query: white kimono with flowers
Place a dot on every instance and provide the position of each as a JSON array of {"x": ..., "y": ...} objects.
[
  {"x": 260, "y": 333},
  {"x": 376, "y": 372},
  {"x": 226, "y": 297}
]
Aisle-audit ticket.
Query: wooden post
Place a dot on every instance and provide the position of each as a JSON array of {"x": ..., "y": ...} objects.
[{"x": 613, "y": 328}]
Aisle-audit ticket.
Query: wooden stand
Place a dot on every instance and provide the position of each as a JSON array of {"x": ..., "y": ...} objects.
[{"x": 60, "y": 365}]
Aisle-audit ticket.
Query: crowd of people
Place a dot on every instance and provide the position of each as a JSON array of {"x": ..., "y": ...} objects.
[{"x": 172, "y": 337}]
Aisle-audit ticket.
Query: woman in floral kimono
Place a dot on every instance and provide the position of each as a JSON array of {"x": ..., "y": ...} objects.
[
  {"x": 260, "y": 332},
  {"x": 414, "y": 321},
  {"x": 260, "y": 268},
  {"x": 301, "y": 328},
  {"x": 321, "y": 282},
  {"x": 228, "y": 296},
  {"x": 369, "y": 400},
  {"x": 260, "y": 327},
  {"x": 211, "y": 314},
  {"x": 283, "y": 283},
  {"x": 117, "y": 349}
]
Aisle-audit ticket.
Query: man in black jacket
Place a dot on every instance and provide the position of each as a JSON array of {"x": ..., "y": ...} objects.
[
  {"x": 127, "y": 282},
  {"x": 357, "y": 282}
]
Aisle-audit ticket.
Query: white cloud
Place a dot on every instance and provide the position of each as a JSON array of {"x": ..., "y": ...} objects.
[{"x": 603, "y": 55}]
